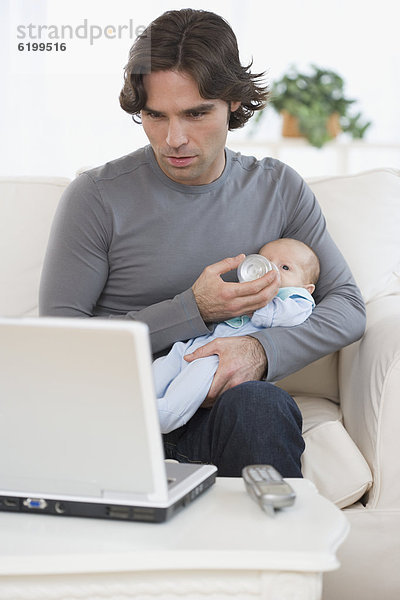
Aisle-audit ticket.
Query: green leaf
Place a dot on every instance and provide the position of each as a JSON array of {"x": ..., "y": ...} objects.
[{"x": 312, "y": 97}]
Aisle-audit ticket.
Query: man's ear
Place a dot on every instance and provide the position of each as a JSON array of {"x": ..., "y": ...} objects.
[
  {"x": 234, "y": 106},
  {"x": 310, "y": 287}
]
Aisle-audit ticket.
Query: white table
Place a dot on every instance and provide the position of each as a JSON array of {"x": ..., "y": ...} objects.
[{"x": 222, "y": 546}]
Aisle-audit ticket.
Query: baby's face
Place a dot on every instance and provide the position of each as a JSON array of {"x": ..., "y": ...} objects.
[{"x": 290, "y": 258}]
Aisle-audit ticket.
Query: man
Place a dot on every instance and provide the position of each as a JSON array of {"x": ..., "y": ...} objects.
[{"x": 150, "y": 235}]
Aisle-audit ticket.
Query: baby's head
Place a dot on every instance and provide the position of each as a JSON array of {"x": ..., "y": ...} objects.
[{"x": 298, "y": 265}]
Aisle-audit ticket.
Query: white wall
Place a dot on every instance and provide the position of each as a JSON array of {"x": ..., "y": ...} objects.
[{"x": 59, "y": 111}]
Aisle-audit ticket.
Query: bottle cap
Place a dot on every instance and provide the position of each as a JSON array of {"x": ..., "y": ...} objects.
[{"x": 253, "y": 267}]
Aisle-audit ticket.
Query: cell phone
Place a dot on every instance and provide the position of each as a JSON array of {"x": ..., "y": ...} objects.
[{"x": 268, "y": 488}]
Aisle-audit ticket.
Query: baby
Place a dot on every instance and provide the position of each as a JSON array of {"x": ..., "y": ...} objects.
[{"x": 182, "y": 386}]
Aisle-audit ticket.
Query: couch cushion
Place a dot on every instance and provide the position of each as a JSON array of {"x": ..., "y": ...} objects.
[
  {"x": 363, "y": 217},
  {"x": 317, "y": 379},
  {"x": 331, "y": 459},
  {"x": 27, "y": 206}
]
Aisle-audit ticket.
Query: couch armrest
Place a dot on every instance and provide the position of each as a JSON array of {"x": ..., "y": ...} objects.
[{"x": 369, "y": 384}]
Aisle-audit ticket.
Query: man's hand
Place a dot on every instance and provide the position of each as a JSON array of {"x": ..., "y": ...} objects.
[
  {"x": 218, "y": 300},
  {"x": 240, "y": 359}
]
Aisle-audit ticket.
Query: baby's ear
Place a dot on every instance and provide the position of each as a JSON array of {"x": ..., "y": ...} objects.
[{"x": 310, "y": 287}]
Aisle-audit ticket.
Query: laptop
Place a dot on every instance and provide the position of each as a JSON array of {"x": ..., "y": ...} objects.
[{"x": 79, "y": 429}]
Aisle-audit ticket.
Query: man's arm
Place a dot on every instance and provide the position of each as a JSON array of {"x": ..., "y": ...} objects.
[
  {"x": 339, "y": 316},
  {"x": 337, "y": 320},
  {"x": 76, "y": 269}
]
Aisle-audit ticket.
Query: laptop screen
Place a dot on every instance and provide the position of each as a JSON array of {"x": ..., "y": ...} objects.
[{"x": 78, "y": 413}]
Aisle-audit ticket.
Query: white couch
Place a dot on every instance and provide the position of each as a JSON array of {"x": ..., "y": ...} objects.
[{"x": 350, "y": 400}]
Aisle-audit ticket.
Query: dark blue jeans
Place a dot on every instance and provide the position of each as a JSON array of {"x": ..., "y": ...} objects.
[{"x": 252, "y": 423}]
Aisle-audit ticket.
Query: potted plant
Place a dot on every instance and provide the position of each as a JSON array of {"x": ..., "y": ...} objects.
[{"x": 316, "y": 104}]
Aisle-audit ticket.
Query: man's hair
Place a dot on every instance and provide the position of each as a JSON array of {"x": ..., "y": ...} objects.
[{"x": 203, "y": 45}]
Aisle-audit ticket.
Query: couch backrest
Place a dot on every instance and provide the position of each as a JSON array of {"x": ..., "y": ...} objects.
[
  {"x": 363, "y": 216},
  {"x": 27, "y": 206}
]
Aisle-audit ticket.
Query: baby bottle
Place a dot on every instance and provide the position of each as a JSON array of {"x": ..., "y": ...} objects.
[{"x": 253, "y": 267}]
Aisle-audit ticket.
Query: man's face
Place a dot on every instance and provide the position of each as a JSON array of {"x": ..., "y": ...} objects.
[{"x": 187, "y": 132}]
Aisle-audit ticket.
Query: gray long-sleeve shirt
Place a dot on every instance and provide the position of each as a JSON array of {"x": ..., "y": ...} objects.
[{"x": 128, "y": 242}]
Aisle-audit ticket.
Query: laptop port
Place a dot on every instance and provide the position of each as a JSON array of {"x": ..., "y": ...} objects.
[
  {"x": 35, "y": 503},
  {"x": 118, "y": 512},
  {"x": 59, "y": 507},
  {"x": 144, "y": 514},
  {"x": 10, "y": 502}
]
